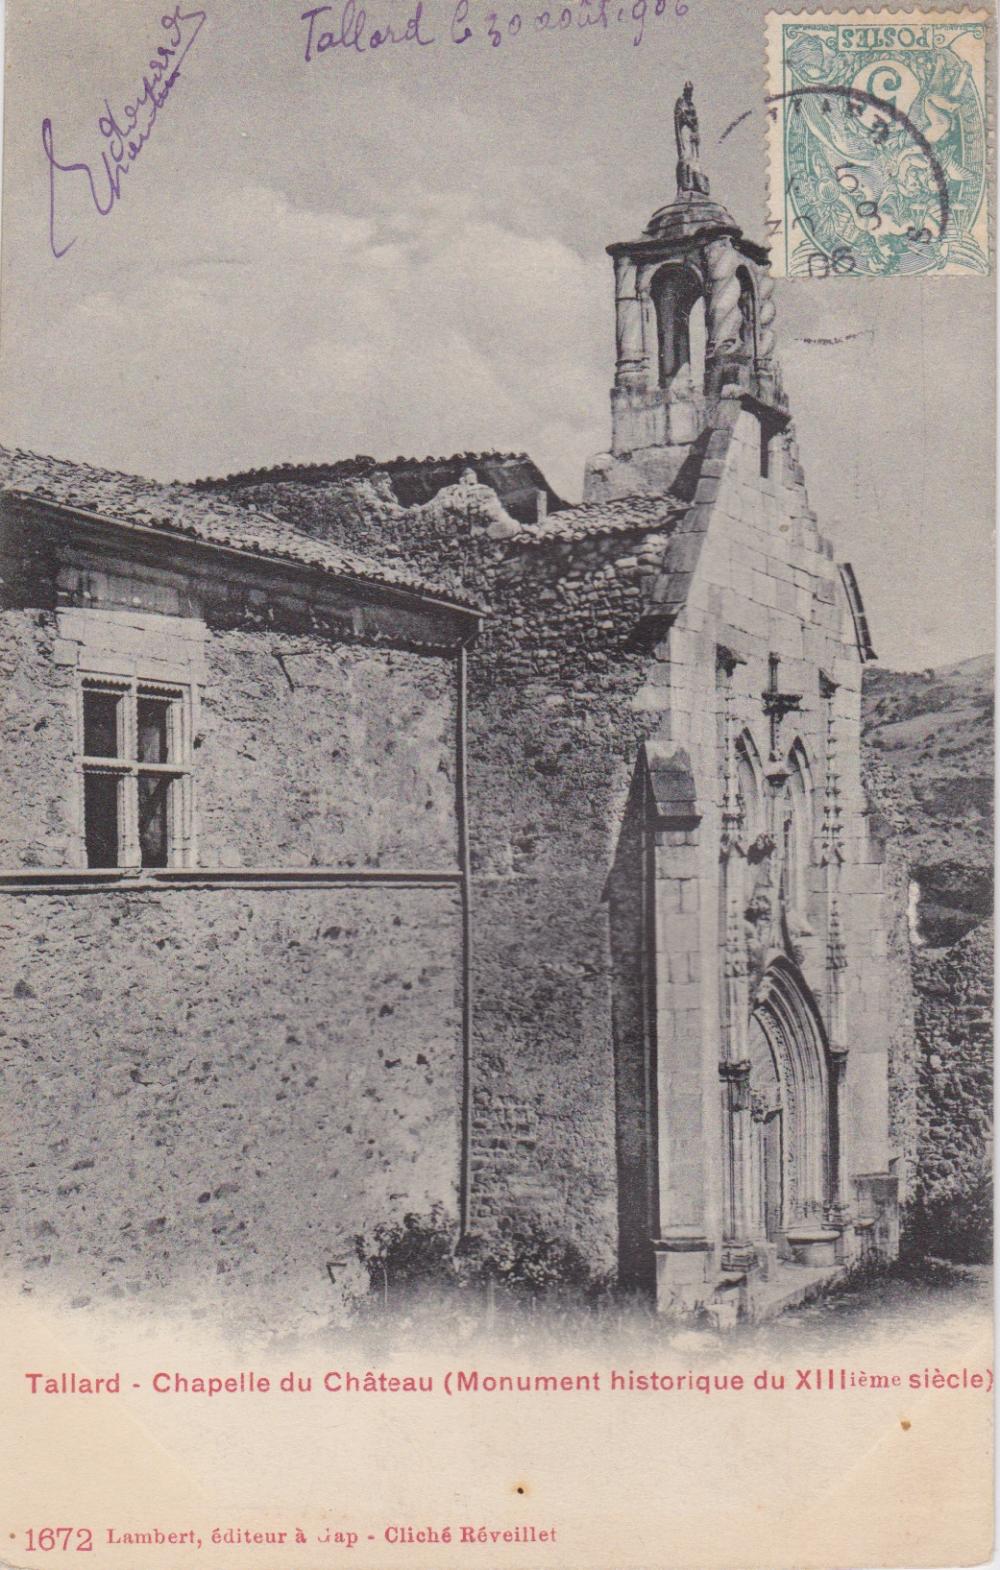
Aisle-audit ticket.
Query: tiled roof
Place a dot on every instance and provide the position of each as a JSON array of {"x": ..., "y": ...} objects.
[
  {"x": 621, "y": 515},
  {"x": 515, "y": 478},
  {"x": 361, "y": 465},
  {"x": 130, "y": 501}
]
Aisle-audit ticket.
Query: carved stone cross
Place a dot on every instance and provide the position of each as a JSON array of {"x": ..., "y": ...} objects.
[{"x": 776, "y": 705}]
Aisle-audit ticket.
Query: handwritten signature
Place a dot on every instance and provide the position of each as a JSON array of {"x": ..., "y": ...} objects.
[
  {"x": 125, "y": 141},
  {"x": 347, "y": 27}
]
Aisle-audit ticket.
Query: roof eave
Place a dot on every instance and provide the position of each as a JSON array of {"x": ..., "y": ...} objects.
[
  {"x": 862, "y": 635},
  {"x": 391, "y": 593}
]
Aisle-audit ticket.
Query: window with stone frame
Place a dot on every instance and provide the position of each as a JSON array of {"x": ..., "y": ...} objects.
[{"x": 135, "y": 763}]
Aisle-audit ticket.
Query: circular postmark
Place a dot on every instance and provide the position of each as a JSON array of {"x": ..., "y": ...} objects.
[{"x": 883, "y": 158}]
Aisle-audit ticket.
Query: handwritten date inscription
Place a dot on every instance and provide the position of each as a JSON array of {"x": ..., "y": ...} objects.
[
  {"x": 346, "y": 26},
  {"x": 124, "y": 131}
]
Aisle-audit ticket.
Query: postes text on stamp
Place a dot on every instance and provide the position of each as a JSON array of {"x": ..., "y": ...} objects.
[{"x": 878, "y": 149}]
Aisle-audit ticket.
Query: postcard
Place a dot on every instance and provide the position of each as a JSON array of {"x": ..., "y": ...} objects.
[{"x": 496, "y": 785}]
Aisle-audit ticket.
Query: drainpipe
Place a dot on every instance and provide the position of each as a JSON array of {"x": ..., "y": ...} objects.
[{"x": 465, "y": 867}]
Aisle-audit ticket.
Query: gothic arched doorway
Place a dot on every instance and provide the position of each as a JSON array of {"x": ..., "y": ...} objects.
[
  {"x": 767, "y": 1111},
  {"x": 789, "y": 1105}
]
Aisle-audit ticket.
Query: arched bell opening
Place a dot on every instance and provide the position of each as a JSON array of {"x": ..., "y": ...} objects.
[
  {"x": 682, "y": 332},
  {"x": 748, "y": 314}
]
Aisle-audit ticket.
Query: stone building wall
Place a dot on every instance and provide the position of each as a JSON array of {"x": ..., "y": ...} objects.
[
  {"x": 221, "y": 1087},
  {"x": 37, "y": 744},
  {"x": 209, "y": 1090},
  {"x": 952, "y": 1212},
  {"x": 553, "y": 737},
  {"x": 340, "y": 756},
  {"x": 561, "y": 699},
  {"x": 594, "y": 684}
]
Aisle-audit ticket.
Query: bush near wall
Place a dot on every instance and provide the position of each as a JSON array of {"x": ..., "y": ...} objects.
[{"x": 422, "y": 1255}]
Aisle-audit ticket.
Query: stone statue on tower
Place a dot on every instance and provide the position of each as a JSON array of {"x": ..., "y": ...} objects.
[{"x": 689, "y": 172}]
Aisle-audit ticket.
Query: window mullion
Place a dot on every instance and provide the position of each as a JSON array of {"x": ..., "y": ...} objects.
[
  {"x": 175, "y": 852},
  {"x": 132, "y": 855}
]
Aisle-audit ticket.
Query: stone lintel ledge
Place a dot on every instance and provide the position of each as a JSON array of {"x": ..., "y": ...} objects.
[
  {"x": 652, "y": 627},
  {"x": 128, "y": 880},
  {"x": 672, "y": 784},
  {"x": 682, "y": 1240}
]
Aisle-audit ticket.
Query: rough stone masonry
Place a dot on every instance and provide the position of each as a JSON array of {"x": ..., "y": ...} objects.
[{"x": 378, "y": 837}]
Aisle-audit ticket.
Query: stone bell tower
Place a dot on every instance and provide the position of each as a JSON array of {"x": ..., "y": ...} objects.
[{"x": 693, "y": 315}]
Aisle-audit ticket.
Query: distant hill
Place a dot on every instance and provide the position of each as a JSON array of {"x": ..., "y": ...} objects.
[{"x": 928, "y": 763}]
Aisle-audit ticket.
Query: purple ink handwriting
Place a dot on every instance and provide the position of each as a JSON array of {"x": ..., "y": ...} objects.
[
  {"x": 125, "y": 131},
  {"x": 345, "y": 25},
  {"x": 350, "y": 29}
]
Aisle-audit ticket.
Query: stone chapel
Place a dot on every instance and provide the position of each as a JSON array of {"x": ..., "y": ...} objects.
[{"x": 383, "y": 835}]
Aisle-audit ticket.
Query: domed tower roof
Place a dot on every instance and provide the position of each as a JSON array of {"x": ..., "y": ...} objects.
[
  {"x": 694, "y": 320},
  {"x": 689, "y": 214}
]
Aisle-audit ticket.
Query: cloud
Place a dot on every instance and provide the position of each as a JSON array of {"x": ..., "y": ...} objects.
[{"x": 287, "y": 333}]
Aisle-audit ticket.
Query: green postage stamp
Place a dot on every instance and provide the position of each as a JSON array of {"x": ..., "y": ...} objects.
[{"x": 879, "y": 153}]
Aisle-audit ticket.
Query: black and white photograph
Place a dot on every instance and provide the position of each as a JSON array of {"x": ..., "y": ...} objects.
[{"x": 496, "y": 785}]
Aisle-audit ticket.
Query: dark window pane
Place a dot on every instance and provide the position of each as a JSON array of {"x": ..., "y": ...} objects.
[
  {"x": 154, "y": 793},
  {"x": 153, "y": 727},
  {"x": 100, "y": 724},
  {"x": 100, "y": 817}
]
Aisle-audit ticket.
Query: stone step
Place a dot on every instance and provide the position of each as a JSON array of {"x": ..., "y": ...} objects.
[{"x": 789, "y": 1286}]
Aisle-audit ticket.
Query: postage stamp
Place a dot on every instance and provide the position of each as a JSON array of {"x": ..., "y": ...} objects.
[{"x": 878, "y": 143}]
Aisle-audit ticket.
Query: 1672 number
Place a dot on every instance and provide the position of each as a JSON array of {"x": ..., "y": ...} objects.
[{"x": 70, "y": 1539}]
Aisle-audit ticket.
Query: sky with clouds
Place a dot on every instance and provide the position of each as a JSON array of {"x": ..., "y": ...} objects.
[{"x": 403, "y": 252}]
